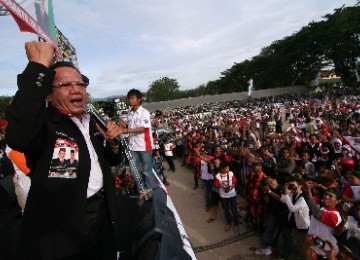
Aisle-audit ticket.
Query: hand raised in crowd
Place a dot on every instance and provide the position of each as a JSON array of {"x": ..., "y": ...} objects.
[
  {"x": 40, "y": 52},
  {"x": 307, "y": 185},
  {"x": 266, "y": 188},
  {"x": 320, "y": 186}
]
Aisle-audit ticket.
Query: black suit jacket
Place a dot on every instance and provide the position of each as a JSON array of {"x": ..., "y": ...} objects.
[
  {"x": 53, "y": 221},
  {"x": 71, "y": 164},
  {"x": 57, "y": 162}
]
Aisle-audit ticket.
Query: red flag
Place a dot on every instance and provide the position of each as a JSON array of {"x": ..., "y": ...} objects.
[{"x": 27, "y": 23}]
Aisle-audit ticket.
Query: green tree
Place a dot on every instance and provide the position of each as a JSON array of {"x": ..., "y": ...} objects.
[
  {"x": 212, "y": 88},
  {"x": 4, "y": 102},
  {"x": 296, "y": 59},
  {"x": 163, "y": 89},
  {"x": 343, "y": 42}
]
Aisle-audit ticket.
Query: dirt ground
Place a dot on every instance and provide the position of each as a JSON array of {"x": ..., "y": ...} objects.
[{"x": 209, "y": 240}]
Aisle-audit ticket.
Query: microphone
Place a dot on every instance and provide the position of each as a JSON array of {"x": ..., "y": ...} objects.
[{"x": 91, "y": 110}]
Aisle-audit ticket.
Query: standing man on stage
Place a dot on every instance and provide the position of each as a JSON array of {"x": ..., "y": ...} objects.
[
  {"x": 64, "y": 218},
  {"x": 138, "y": 126}
]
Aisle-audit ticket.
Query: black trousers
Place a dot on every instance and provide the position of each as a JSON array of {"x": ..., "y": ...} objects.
[
  {"x": 230, "y": 210},
  {"x": 170, "y": 161},
  {"x": 98, "y": 242}
]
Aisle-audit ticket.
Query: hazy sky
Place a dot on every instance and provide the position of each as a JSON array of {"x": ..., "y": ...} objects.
[{"x": 129, "y": 44}]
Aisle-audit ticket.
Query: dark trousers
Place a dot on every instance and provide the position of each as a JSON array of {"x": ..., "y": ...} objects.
[
  {"x": 273, "y": 225},
  {"x": 98, "y": 242},
  {"x": 208, "y": 184},
  {"x": 170, "y": 161},
  {"x": 277, "y": 234},
  {"x": 161, "y": 175},
  {"x": 230, "y": 208}
]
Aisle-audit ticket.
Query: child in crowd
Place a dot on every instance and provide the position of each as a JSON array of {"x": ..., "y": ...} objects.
[
  {"x": 225, "y": 180},
  {"x": 307, "y": 165}
]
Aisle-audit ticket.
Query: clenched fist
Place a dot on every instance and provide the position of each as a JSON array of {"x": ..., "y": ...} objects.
[{"x": 40, "y": 52}]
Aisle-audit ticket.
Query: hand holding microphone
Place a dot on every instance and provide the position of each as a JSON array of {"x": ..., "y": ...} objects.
[
  {"x": 112, "y": 131},
  {"x": 109, "y": 129}
]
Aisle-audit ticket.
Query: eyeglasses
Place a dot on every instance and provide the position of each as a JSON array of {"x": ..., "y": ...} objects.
[{"x": 68, "y": 85}]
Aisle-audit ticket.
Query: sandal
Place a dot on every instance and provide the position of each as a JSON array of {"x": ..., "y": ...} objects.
[{"x": 211, "y": 220}]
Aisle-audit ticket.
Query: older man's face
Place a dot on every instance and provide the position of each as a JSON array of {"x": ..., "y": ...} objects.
[{"x": 68, "y": 99}]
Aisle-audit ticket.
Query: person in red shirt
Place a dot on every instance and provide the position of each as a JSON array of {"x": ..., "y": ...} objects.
[{"x": 253, "y": 187}]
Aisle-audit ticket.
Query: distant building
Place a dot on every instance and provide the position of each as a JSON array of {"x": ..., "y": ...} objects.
[
  {"x": 326, "y": 78},
  {"x": 328, "y": 75}
]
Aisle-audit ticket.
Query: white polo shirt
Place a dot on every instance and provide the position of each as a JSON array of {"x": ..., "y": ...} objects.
[
  {"x": 169, "y": 149},
  {"x": 204, "y": 169},
  {"x": 140, "y": 141}
]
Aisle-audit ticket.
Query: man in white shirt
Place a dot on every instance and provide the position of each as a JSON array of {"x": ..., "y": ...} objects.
[
  {"x": 169, "y": 154},
  {"x": 299, "y": 213},
  {"x": 138, "y": 126}
]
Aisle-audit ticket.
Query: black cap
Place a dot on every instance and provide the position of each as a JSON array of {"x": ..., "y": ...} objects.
[{"x": 335, "y": 191}]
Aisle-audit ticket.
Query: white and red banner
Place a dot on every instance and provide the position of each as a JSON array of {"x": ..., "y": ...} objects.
[
  {"x": 250, "y": 87},
  {"x": 38, "y": 18}
]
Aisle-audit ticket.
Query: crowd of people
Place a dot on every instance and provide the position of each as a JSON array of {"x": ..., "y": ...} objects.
[{"x": 294, "y": 159}]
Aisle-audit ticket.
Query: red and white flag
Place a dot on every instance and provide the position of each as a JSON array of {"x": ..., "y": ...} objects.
[{"x": 36, "y": 17}]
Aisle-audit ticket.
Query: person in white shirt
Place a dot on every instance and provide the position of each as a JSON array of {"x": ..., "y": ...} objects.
[
  {"x": 138, "y": 126},
  {"x": 225, "y": 180},
  {"x": 169, "y": 154},
  {"x": 299, "y": 215}
]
